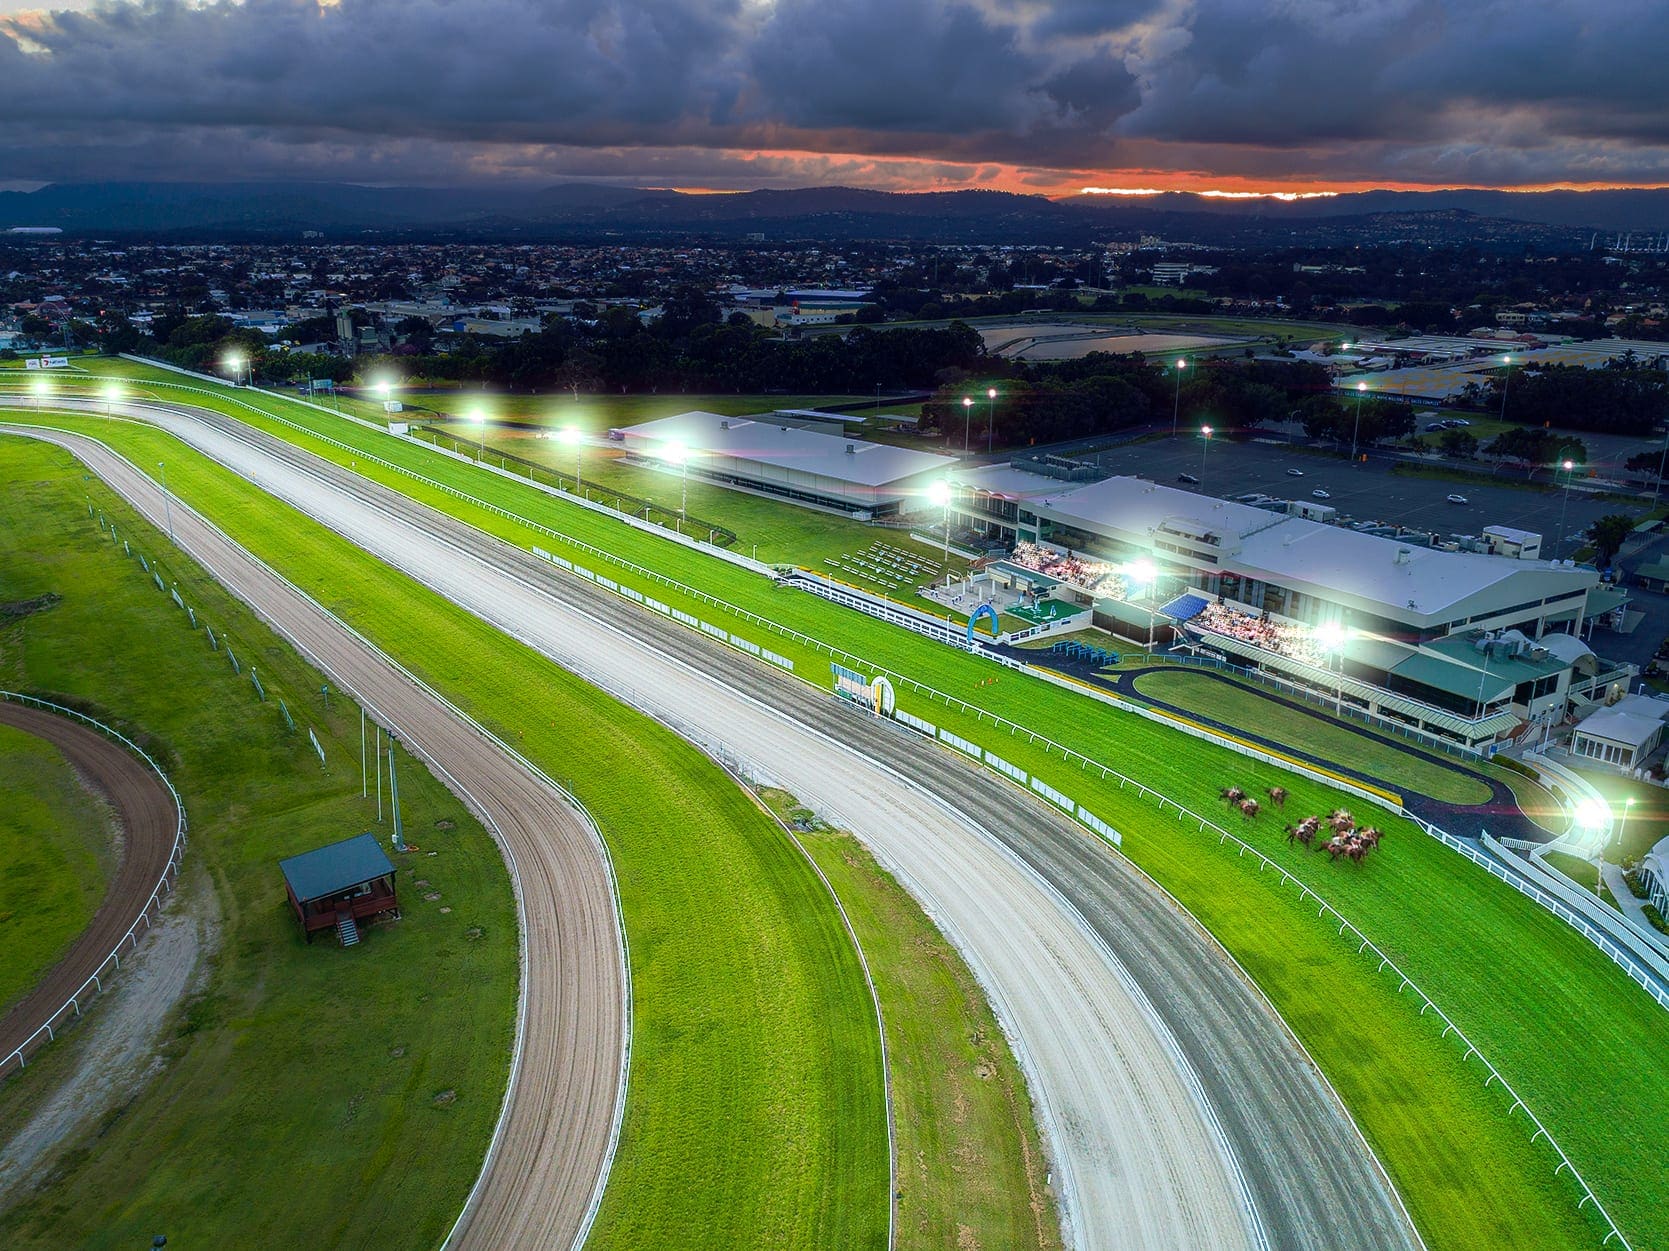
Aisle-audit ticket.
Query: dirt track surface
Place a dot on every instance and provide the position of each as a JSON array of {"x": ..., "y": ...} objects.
[
  {"x": 1177, "y": 1109},
  {"x": 145, "y": 811},
  {"x": 549, "y": 1157}
]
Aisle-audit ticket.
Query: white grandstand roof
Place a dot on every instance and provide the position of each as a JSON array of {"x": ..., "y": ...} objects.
[
  {"x": 764, "y": 442},
  {"x": 1337, "y": 561}
]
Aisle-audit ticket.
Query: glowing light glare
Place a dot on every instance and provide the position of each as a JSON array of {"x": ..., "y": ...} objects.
[
  {"x": 1569, "y": 465},
  {"x": 1361, "y": 386},
  {"x": 568, "y": 435},
  {"x": 938, "y": 493},
  {"x": 991, "y": 393},
  {"x": 41, "y": 387},
  {"x": 1506, "y": 360},
  {"x": 382, "y": 387},
  {"x": 1330, "y": 636},
  {"x": 1182, "y": 364},
  {"x": 476, "y": 416},
  {"x": 967, "y": 401},
  {"x": 676, "y": 453},
  {"x": 1591, "y": 814},
  {"x": 1205, "y": 431},
  {"x": 234, "y": 362},
  {"x": 1141, "y": 572},
  {"x": 113, "y": 392}
]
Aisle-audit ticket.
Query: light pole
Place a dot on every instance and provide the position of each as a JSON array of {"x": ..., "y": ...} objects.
[
  {"x": 112, "y": 393},
  {"x": 1176, "y": 395},
  {"x": 967, "y": 409},
  {"x": 1657, "y": 483},
  {"x": 40, "y": 389},
  {"x": 235, "y": 362},
  {"x": 1356, "y": 430},
  {"x": 1331, "y": 638},
  {"x": 1506, "y": 381},
  {"x": 1567, "y": 466},
  {"x": 572, "y": 436},
  {"x": 167, "y": 506},
  {"x": 939, "y": 493},
  {"x": 990, "y": 419},
  {"x": 479, "y": 419},
  {"x": 1142, "y": 573},
  {"x": 680, "y": 455},
  {"x": 1205, "y": 446}
]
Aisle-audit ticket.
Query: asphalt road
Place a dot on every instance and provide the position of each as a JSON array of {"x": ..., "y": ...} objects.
[
  {"x": 1147, "y": 1052},
  {"x": 144, "y": 810},
  {"x": 549, "y": 1156}
]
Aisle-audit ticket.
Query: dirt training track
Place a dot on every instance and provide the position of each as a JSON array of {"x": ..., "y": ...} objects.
[{"x": 145, "y": 812}]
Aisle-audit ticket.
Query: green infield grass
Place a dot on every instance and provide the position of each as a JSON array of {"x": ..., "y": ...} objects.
[
  {"x": 1562, "y": 1023},
  {"x": 55, "y": 841},
  {"x": 1392, "y": 767},
  {"x": 971, "y": 1165},
  {"x": 755, "y": 1114},
  {"x": 374, "y": 1074}
]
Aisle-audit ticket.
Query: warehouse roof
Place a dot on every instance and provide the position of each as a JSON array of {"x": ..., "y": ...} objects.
[{"x": 763, "y": 442}]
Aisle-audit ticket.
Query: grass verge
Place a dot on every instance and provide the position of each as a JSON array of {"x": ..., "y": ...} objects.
[{"x": 55, "y": 843}]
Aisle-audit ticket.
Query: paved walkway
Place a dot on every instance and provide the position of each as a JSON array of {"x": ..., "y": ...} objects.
[
  {"x": 1631, "y": 907},
  {"x": 1500, "y": 815}
]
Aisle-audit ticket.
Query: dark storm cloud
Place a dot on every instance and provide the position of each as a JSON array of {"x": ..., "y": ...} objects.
[{"x": 714, "y": 91}]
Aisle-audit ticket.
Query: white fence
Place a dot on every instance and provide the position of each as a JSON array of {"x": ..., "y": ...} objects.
[{"x": 130, "y": 940}]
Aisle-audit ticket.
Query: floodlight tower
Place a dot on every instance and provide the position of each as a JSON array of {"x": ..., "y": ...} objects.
[
  {"x": 1176, "y": 395},
  {"x": 573, "y": 438},
  {"x": 1567, "y": 465},
  {"x": 479, "y": 420},
  {"x": 1331, "y": 638},
  {"x": 990, "y": 419},
  {"x": 1356, "y": 430},
  {"x": 1506, "y": 380},
  {"x": 1205, "y": 435},
  {"x": 939, "y": 493},
  {"x": 967, "y": 408},
  {"x": 112, "y": 393}
]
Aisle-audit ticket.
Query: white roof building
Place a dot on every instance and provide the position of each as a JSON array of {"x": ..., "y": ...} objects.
[
  {"x": 1622, "y": 734},
  {"x": 776, "y": 458}
]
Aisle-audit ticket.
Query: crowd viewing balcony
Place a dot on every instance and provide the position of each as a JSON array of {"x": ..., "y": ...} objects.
[
  {"x": 1093, "y": 576},
  {"x": 1298, "y": 642}
]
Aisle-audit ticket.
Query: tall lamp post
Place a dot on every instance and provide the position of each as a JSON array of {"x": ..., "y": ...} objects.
[
  {"x": 939, "y": 493},
  {"x": 1142, "y": 573},
  {"x": 679, "y": 455},
  {"x": 967, "y": 408},
  {"x": 1505, "y": 382},
  {"x": 1356, "y": 430},
  {"x": 1205, "y": 436},
  {"x": 112, "y": 393},
  {"x": 990, "y": 419},
  {"x": 478, "y": 419},
  {"x": 1176, "y": 395},
  {"x": 167, "y": 506},
  {"x": 572, "y": 437},
  {"x": 1567, "y": 466},
  {"x": 40, "y": 389},
  {"x": 1331, "y": 638}
]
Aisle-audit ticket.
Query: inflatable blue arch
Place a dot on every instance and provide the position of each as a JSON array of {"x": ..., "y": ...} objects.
[{"x": 984, "y": 610}]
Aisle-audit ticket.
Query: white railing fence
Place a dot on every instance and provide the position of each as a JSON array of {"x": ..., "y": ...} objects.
[{"x": 130, "y": 940}]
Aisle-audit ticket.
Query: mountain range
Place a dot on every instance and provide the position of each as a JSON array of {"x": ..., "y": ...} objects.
[{"x": 576, "y": 210}]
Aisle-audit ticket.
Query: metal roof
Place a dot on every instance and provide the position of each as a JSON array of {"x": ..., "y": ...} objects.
[
  {"x": 1461, "y": 680},
  {"x": 336, "y": 867},
  {"x": 761, "y": 441}
]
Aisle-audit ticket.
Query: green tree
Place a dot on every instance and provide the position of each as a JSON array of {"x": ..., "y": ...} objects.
[
  {"x": 1607, "y": 535},
  {"x": 1461, "y": 444}
]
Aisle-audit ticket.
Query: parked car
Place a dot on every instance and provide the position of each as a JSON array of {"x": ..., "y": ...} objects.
[
  {"x": 1434, "y": 426},
  {"x": 1459, "y": 499},
  {"x": 1188, "y": 478},
  {"x": 1295, "y": 473},
  {"x": 1322, "y": 495},
  {"x": 1458, "y": 422}
]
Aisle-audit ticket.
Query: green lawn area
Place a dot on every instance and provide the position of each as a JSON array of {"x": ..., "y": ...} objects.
[
  {"x": 971, "y": 1166},
  {"x": 1575, "y": 868},
  {"x": 56, "y": 846},
  {"x": 1255, "y": 713},
  {"x": 1562, "y": 1023},
  {"x": 755, "y": 1113},
  {"x": 258, "y": 1080}
]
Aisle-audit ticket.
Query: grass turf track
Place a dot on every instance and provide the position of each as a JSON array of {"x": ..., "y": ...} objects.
[
  {"x": 755, "y": 1113},
  {"x": 256, "y": 1081},
  {"x": 971, "y": 1165},
  {"x": 1561, "y": 1022},
  {"x": 1396, "y": 769},
  {"x": 56, "y": 846}
]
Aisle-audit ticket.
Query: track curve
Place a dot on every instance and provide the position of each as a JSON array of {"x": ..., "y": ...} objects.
[
  {"x": 548, "y": 1160},
  {"x": 145, "y": 811},
  {"x": 1309, "y": 1179}
]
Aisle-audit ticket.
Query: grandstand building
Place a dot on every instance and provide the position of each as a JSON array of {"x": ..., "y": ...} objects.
[
  {"x": 779, "y": 456},
  {"x": 1462, "y": 645}
]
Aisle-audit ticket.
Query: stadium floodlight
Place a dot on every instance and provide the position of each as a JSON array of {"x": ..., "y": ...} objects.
[
  {"x": 235, "y": 362},
  {"x": 677, "y": 453},
  {"x": 1176, "y": 395},
  {"x": 1330, "y": 637},
  {"x": 990, "y": 419},
  {"x": 384, "y": 388},
  {"x": 1356, "y": 429},
  {"x": 967, "y": 408},
  {"x": 939, "y": 493},
  {"x": 1141, "y": 572},
  {"x": 478, "y": 418},
  {"x": 112, "y": 393},
  {"x": 571, "y": 436},
  {"x": 1592, "y": 815},
  {"x": 40, "y": 388}
]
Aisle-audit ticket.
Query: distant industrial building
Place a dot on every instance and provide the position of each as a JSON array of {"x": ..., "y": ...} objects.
[
  {"x": 1462, "y": 645},
  {"x": 773, "y": 455}
]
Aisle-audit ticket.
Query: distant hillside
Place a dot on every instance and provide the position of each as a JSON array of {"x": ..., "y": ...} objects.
[{"x": 584, "y": 209}]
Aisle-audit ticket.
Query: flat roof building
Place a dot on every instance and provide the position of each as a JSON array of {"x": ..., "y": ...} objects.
[
  {"x": 1461, "y": 644},
  {"x": 773, "y": 457}
]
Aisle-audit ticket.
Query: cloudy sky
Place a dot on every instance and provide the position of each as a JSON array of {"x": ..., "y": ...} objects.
[{"x": 1044, "y": 95}]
